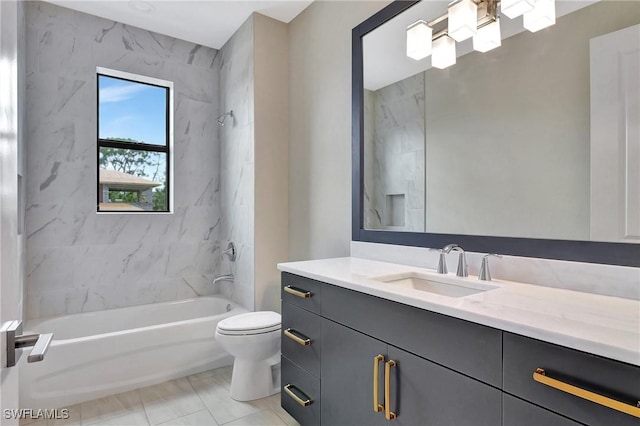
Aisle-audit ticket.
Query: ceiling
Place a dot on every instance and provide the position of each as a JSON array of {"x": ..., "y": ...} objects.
[{"x": 207, "y": 22}]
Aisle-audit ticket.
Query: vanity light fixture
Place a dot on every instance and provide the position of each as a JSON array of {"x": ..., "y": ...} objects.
[
  {"x": 473, "y": 18},
  {"x": 514, "y": 8},
  {"x": 462, "y": 19},
  {"x": 542, "y": 16},
  {"x": 488, "y": 37},
  {"x": 444, "y": 52},
  {"x": 419, "y": 36}
]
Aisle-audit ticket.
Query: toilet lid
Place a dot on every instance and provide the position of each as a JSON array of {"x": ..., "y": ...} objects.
[{"x": 251, "y": 323}]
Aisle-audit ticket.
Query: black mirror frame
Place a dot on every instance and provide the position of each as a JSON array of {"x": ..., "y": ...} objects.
[{"x": 622, "y": 254}]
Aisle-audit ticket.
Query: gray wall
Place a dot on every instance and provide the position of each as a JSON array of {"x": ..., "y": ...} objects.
[
  {"x": 271, "y": 93},
  {"x": 320, "y": 127},
  {"x": 80, "y": 261},
  {"x": 235, "y": 65}
]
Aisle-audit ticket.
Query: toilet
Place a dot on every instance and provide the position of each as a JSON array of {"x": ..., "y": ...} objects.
[{"x": 254, "y": 340}]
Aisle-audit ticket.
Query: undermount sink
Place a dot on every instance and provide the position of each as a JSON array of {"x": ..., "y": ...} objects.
[{"x": 445, "y": 286}]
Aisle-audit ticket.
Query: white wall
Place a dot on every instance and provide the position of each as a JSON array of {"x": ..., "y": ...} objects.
[{"x": 320, "y": 127}]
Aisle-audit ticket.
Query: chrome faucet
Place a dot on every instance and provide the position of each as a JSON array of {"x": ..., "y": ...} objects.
[
  {"x": 462, "y": 262},
  {"x": 485, "y": 274},
  {"x": 442, "y": 261},
  {"x": 229, "y": 278}
]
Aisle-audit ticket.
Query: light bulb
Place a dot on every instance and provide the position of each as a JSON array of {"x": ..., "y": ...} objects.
[
  {"x": 462, "y": 19},
  {"x": 487, "y": 37},
  {"x": 514, "y": 8},
  {"x": 444, "y": 52},
  {"x": 419, "y": 40},
  {"x": 542, "y": 16}
]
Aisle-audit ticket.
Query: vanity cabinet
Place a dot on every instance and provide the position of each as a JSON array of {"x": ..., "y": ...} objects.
[
  {"x": 353, "y": 353},
  {"x": 607, "y": 380},
  {"x": 516, "y": 412},
  {"x": 366, "y": 341}
]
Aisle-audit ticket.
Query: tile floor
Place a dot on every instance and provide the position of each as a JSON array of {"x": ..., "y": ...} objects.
[{"x": 199, "y": 400}]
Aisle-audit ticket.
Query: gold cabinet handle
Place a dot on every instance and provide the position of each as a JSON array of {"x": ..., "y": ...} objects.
[
  {"x": 388, "y": 414},
  {"x": 299, "y": 340},
  {"x": 540, "y": 376},
  {"x": 297, "y": 292},
  {"x": 303, "y": 402},
  {"x": 377, "y": 407}
]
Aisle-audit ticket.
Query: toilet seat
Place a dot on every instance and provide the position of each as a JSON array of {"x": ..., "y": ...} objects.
[{"x": 250, "y": 323}]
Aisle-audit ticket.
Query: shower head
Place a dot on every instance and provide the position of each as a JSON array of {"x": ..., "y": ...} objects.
[{"x": 223, "y": 117}]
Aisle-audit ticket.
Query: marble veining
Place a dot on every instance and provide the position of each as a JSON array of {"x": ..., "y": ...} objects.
[
  {"x": 607, "y": 280},
  {"x": 602, "y": 325},
  {"x": 80, "y": 261},
  {"x": 394, "y": 139},
  {"x": 234, "y": 63}
]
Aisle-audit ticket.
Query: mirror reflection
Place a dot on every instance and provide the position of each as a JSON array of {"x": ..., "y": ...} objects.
[{"x": 537, "y": 138}]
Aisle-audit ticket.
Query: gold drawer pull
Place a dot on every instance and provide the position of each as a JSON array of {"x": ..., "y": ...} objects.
[
  {"x": 377, "y": 407},
  {"x": 304, "y": 402},
  {"x": 388, "y": 414},
  {"x": 297, "y": 292},
  {"x": 299, "y": 340},
  {"x": 540, "y": 376}
]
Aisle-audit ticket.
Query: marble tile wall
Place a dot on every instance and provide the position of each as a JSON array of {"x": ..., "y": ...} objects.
[
  {"x": 22, "y": 160},
  {"x": 608, "y": 280},
  {"x": 396, "y": 163},
  {"x": 235, "y": 64},
  {"x": 77, "y": 260}
]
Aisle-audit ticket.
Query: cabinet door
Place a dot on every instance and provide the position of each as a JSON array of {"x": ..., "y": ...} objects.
[
  {"x": 424, "y": 393},
  {"x": 517, "y": 412},
  {"x": 347, "y": 376}
]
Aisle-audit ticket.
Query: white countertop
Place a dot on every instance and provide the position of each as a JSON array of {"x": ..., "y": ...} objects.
[{"x": 602, "y": 325}]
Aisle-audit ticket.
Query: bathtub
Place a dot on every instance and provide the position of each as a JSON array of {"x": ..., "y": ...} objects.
[{"x": 101, "y": 353}]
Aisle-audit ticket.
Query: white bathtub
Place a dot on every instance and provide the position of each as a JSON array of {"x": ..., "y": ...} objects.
[{"x": 97, "y": 354}]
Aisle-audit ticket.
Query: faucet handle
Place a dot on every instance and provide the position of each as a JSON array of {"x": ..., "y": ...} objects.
[
  {"x": 485, "y": 274},
  {"x": 462, "y": 265},
  {"x": 442, "y": 261}
]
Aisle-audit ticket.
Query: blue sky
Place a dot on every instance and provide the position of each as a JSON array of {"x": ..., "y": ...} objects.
[{"x": 132, "y": 110}]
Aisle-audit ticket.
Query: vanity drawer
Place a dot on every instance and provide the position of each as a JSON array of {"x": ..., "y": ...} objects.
[
  {"x": 301, "y": 337},
  {"x": 472, "y": 349},
  {"x": 301, "y": 291},
  {"x": 304, "y": 387},
  {"x": 516, "y": 412},
  {"x": 613, "y": 379}
]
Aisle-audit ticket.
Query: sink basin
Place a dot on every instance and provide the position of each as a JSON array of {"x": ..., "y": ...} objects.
[{"x": 445, "y": 286}]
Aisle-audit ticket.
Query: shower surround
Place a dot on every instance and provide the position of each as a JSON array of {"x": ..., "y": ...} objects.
[{"x": 77, "y": 260}]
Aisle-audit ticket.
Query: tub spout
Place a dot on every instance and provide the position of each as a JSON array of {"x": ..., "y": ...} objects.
[{"x": 223, "y": 278}]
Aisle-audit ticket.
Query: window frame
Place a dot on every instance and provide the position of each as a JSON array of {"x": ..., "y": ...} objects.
[{"x": 167, "y": 149}]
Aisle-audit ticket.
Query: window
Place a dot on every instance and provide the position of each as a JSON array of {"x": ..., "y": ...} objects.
[{"x": 135, "y": 142}]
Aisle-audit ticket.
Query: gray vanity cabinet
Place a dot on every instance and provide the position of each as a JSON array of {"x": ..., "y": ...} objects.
[
  {"x": 347, "y": 379},
  {"x": 421, "y": 392},
  {"x": 516, "y": 412},
  {"x": 442, "y": 370},
  {"x": 355, "y": 329},
  {"x": 425, "y": 393}
]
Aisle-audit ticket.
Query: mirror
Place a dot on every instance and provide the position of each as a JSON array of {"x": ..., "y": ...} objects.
[{"x": 536, "y": 139}]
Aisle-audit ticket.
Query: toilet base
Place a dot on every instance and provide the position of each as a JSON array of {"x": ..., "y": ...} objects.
[{"x": 253, "y": 380}]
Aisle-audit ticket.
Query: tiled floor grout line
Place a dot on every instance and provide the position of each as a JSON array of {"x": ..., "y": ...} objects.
[
  {"x": 206, "y": 407},
  {"x": 144, "y": 408}
]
